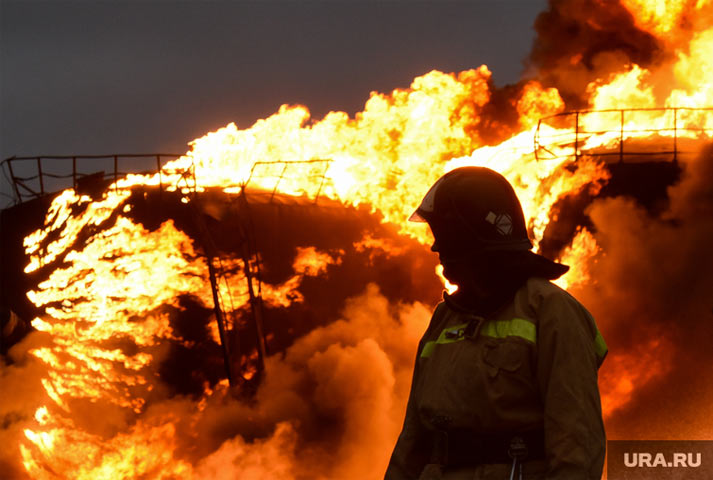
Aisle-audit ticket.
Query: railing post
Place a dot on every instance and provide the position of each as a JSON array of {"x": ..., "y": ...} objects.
[
  {"x": 158, "y": 168},
  {"x": 537, "y": 140},
  {"x": 195, "y": 179},
  {"x": 14, "y": 181},
  {"x": 321, "y": 182},
  {"x": 621, "y": 139},
  {"x": 279, "y": 179},
  {"x": 576, "y": 136},
  {"x": 675, "y": 136},
  {"x": 39, "y": 170}
]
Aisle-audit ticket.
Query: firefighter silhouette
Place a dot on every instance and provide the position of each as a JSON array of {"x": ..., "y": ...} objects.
[{"x": 505, "y": 381}]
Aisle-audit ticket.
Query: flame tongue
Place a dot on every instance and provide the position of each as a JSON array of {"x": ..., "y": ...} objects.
[
  {"x": 110, "y": 291},
  {"x": 66, "y": 451}
]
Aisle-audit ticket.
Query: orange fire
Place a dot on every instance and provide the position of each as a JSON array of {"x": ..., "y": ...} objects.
[{"x": 105, "y": 305}]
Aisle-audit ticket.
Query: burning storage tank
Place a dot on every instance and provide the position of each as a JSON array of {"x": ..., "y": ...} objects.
[{"x": 251, "y": 310}]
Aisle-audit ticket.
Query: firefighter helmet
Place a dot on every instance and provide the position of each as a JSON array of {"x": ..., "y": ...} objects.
[{"x": 473, "y": 209}]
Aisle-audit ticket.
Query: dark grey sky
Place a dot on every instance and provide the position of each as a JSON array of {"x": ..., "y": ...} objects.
[{"x": 94, "y": 77}]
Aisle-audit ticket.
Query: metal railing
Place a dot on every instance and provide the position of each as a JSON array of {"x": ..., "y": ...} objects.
[
  {"x": 34, "y": 177},
  {"x": 283, "y": 166},
  {"x": 572, "y": 136},
  {"x": 31, "y": 177}
]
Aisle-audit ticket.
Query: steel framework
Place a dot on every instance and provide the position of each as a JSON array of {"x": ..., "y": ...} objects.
[
  {"x": 572, "y": 136},
  {"x": 35, "y": 184}
]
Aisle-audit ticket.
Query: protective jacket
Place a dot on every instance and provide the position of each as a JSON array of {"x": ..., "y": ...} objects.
[{"x": 529, "y": 369}]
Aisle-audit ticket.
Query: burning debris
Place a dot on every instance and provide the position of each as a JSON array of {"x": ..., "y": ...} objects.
[{"x": 297, "y": 276}]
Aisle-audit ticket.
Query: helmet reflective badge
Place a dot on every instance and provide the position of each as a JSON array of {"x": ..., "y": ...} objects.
[{"x": 503, "y": 222}]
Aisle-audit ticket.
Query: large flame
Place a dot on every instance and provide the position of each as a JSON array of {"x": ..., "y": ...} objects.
[{"x": 106, "y": 304}]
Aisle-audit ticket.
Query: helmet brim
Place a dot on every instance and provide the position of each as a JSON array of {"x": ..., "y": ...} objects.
[{"x": 417, "y": 217}]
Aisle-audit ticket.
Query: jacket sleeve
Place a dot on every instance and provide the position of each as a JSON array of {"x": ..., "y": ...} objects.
[
  {"x": 567, "y": 364},
  {"x": 413, "y": 449}
]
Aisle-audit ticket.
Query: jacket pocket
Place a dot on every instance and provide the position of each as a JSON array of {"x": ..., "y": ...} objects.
[{"x": 507, "y": 355}]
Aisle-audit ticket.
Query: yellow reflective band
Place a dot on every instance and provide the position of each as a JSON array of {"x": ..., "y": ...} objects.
[
  {"x": 428, "y": 349},
  {"x": 516, "y": 327},
  {"x": 452, "y": 334},
  {"x": 600, "y": 346}
]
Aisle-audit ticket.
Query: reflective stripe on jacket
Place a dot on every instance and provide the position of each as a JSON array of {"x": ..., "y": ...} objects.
[{"x": 531, "y": 365}]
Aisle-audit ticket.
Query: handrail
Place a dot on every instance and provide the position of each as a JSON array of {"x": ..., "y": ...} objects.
[
  {"x": 574, "y": 136},
  {"x": 26, "y": 187},
  {"x": 286, "y": 164},
  {"x": 37, "y": 182}
]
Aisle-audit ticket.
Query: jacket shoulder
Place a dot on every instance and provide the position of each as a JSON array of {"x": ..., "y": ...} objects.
[
  {"x": 554, "y": 308},
  {"x": 537, "y": 292}
]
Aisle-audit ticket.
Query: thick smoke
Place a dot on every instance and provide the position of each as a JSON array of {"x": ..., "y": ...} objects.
[
  {"x": 652, "y": 296},
  {"x": 581, "y": 41},
  {"x": 340, "y": 361},
  {"x": 578, "y": 42},
  {"x": 332, "y": 400}
]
